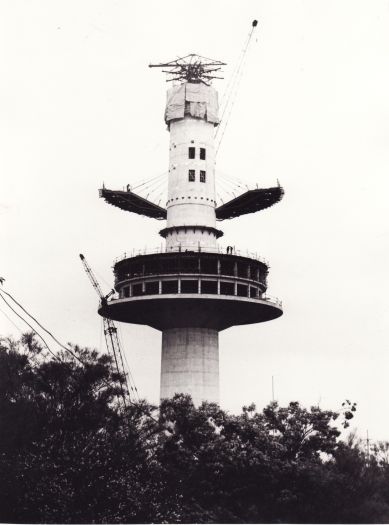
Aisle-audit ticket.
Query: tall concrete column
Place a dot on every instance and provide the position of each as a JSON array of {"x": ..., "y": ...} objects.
[{"x": 190, "y": 363}]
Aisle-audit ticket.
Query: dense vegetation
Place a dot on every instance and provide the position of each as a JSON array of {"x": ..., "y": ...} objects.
[{"x": 69, "y": 454}]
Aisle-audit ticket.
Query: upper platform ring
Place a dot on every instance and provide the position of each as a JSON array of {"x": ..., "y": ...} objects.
[{"x": 174, "y": 229}]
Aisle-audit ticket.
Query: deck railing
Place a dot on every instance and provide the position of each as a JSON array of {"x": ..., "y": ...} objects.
[
  {"x": 261, "y": 297},
  {"x": 226, "y": 250},
  {"x": 272, "y": 299}
]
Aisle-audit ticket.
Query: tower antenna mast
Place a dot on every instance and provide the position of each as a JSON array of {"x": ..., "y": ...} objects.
[{"x": 191, "y": 68}]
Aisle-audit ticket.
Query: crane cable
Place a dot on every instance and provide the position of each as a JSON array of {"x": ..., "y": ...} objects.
[
  {"x": 232, "y": 88},
  {"x": 130, "y": 376},
  {"x": 41, "y": 326},
  {"x": 231, "y": 83},
  {"x": 66, "y": 348},
  {"x": 139, "y": 405},
  {"x": 28, "y": 324},
  {"x": 11, "y": 321}
]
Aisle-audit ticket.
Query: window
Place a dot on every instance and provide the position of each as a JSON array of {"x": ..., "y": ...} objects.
[
  {"x": 137, "y": 289},
  {"x": 152, "y": 288},
  {"x": 209, "y": 265},
  {"x": 227, "y": 288},
  {"x": 192, "y": 152},
  {"x": 169, "y": 286},
  {"x": 227, "y": 267},
  {"x": 136, "y": 270},
  {"x": 189, "y": 286},
  {"x": 242, "y": 290},
  {"x": 202, "y": 176},
  {"x": 192, "y": 176},
  {"x": 209, "y": 287},
  {"x": 242, "y": 270},
  {"x": 170, "y": 264},
  {"x": 202, "y": 154},
  {"x": 253, "y": 291},
  {"x": 189, "y": 263}
]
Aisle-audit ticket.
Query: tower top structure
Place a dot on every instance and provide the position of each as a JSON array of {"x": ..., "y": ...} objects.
[
  {"x": 192, "y": 288},
  {"x": 191, "y": 68}
]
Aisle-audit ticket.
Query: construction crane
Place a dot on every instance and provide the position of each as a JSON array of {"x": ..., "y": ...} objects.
[
  {"x": 128, "y": 388},
  {"x": 232, "y": 88}
]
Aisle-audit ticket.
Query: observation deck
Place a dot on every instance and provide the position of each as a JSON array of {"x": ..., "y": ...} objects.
[
  {"x": 191, "y": 288},
  {"x": 250, "y": 201}
]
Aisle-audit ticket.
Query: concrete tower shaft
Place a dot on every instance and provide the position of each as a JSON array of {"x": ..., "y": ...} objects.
[
  {"x": 190, "y": 363},
  {"x": 191, "y": 185},
  {"x": 191, "y": 115},
  {"x": 190, "y": 355}
]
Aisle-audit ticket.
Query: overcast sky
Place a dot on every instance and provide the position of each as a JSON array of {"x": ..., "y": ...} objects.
[{"x": 79, "y": 106}]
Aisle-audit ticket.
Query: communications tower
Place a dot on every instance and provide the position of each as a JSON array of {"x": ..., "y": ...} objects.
[{"x": 193, "y": 288}]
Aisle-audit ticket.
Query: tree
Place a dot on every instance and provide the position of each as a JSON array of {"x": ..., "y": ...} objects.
[
  {"x": 63, "y": 436},
  {"x": 71, "y": 453}
]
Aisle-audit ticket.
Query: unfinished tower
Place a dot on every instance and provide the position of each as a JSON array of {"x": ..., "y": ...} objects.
[{"x": 192, "y": 289}]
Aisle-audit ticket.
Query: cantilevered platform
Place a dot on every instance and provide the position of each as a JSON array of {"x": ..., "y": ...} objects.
[
  {"x": 249, "y": 202},
  {"x": 129, "y": 201},
  {"x": 217, "y": 312}
]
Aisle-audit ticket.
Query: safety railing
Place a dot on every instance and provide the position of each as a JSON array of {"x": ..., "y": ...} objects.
[
  {"x": 263, "y": 297},
  {"x": 223, "y": 250},
  {"x": 272, "y": 299}
]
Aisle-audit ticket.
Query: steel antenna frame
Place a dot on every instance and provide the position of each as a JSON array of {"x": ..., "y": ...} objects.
[{"x": 191, "y": 68}]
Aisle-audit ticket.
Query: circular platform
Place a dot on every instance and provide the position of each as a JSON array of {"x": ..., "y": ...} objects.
[{"x": 191, "y": 310}]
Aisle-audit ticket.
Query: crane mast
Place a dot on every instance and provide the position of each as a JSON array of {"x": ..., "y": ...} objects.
[{"x": 111, "y": 339}]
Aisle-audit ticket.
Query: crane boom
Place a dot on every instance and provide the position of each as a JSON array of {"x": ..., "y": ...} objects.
[
  {"x": 232, "y": 89},
  {"x": 93, "y": 279}
]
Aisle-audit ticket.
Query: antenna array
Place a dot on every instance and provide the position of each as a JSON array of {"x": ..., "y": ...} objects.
[{"x": 191, "y": 68}]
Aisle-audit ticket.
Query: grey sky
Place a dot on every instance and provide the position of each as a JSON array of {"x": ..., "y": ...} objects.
[{"x": 79, "y": 106}]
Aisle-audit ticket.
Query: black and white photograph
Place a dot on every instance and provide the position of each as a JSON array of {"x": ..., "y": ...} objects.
[{"x": 194, "y": 293}]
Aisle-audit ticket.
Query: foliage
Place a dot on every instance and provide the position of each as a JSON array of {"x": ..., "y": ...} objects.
[{"x": 70, "y": 453}]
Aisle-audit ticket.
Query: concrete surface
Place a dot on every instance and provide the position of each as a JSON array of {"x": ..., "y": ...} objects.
[{"x": 190, "y": 363}]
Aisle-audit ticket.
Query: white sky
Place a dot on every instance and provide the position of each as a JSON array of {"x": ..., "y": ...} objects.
[{"x": 79, "y": 106}]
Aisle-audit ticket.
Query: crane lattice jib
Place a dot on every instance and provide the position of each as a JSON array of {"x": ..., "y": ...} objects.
[{"x": 92, "y": 278}]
